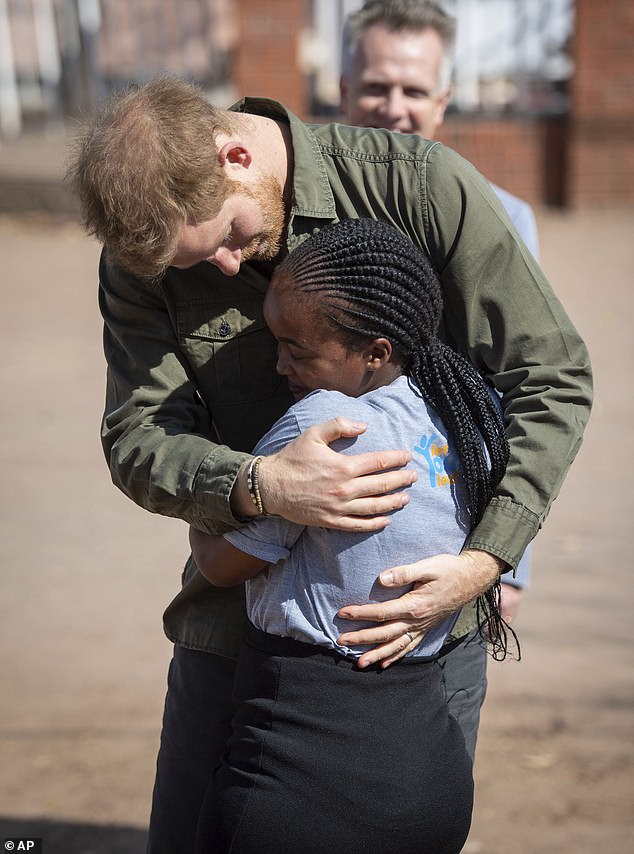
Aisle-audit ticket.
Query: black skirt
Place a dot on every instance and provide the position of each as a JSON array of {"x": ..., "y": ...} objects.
[{"x": 326, "y": 757}]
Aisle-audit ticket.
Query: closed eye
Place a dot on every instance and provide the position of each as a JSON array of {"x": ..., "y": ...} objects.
[
  {"x": 416, "y": 93},
  {"x": 298, "y": 356},
  {"x": 375, "y": 89},
  {"x": 292, "y": 353}
]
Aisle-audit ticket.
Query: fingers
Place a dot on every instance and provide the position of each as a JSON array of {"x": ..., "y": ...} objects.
[
  {"x": 371, "y": 496},
  {"x": 380, "y": 635},
  {"x": 380, "y": 484},
  {"x": 357, "y": 464},
  {"x": 368, "y": 513},
  {"x": 356, "y": 524},
  {"x": 374, "y": 635},
  {"x": 380, "y": 612},
  {"x": 398, "y": 576},
  {"x": 387, "y": 653},
  {"x": 421, "y": 571},
  {"x": 402, "y": 649},
  {"x": 335, "y": 428},
  {"x": 377, "y": 505},
  {"x": 378, "y": 461}
]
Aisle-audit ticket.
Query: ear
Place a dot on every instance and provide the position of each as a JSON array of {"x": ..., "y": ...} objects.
[
  {"x": 233, "y": 155},
  {"x": 343, "y": 94},
  {"x": 441, "y": 106},
  {"x": 378, "y": 354}
]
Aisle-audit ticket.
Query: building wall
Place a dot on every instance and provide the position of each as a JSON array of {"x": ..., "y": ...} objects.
[
  {"x": 266, "y": 60},
  {"x": 584, "y": 160},
  {"x": 508, "y": 152},
  {"x": 601, "y": 162}
]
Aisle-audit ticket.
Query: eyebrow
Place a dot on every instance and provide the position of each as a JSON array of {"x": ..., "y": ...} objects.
[{"x": 292, "y": 341}]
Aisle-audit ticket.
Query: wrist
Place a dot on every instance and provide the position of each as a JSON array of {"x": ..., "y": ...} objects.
[
  {"x": 242, "y": 506},
  {"x": 484, "y": 567},
  {"x": 266, "y": 481},
  {"x": 253, "y": 485}
]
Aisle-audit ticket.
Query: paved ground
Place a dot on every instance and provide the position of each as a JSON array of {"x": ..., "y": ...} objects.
[{"x": 85, "y": 576}]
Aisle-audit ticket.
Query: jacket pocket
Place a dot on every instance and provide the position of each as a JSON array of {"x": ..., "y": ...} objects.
[{"x": 230, "y": 349}]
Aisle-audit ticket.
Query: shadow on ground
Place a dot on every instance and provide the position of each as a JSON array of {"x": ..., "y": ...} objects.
[{"x": 61, "y": 837}]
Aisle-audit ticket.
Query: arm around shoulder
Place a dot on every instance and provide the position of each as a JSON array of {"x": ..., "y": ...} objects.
[{"x": 503, "y": 313}]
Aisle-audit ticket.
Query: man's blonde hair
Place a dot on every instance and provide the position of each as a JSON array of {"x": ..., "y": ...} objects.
[{"x": 145, "y": 165}]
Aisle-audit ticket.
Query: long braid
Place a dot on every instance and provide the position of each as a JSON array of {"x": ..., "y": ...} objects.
[{"x": 372, "y": 282}]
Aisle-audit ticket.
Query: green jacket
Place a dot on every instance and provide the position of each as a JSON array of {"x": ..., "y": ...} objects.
[{"x": 191, "y": 364}]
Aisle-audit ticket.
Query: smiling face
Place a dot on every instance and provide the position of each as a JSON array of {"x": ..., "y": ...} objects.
[
  {"x": 395, "y": 81},
  {"x": 310, "y": 353},
  {"x": 249, "y": 225}
]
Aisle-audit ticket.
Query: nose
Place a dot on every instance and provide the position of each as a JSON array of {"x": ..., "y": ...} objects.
[
  {"x": 227, "y": 260},
  {"x": 282, "y": 362},
  {"x": 394, "y": 107}
]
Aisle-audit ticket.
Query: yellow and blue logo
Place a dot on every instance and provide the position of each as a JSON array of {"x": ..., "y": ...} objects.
[{"x": 442, "y": 462}]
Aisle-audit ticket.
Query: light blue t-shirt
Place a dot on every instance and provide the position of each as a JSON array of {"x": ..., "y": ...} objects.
[
  {"x": 316, "y": 571},
  {"x": 522, "y": 217}
]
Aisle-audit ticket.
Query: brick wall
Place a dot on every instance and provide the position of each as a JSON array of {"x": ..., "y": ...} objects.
[
  {"x": 584, "y": 161},
  {"x": 601, "y": 164},
  {"x": 516, "y": 153},
  {"x": 266, "y": 61}
]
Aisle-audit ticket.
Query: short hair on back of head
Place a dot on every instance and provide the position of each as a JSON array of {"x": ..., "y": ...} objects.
[
  {"x": 145, "y": 165},
  {"x": 401, "y": 15}
]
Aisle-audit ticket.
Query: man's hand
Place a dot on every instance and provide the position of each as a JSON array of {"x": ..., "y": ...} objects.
[
  {"x": 442, "y": 585},
  {"x": 309, "y": 483}
]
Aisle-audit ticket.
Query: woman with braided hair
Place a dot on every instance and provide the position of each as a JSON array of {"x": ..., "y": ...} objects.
[{"x": 326, "y": 753}]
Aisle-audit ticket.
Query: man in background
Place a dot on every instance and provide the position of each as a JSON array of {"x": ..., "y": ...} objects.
[{"x": 396, "y": 74}]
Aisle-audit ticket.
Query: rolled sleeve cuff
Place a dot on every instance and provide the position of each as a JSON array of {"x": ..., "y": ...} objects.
[
  {"x": 213, "y": 485},
  {"x": 505, "y": 530},
  {"x": 522, "y": 577}
]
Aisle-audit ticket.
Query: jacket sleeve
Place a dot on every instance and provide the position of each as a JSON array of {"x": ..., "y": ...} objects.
[
  {"x": 156, "y": 432},
  {"x": 501, "y": 311}
]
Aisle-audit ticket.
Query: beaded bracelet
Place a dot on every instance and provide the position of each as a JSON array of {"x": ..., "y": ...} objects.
[{"x": 253, "y": 484}]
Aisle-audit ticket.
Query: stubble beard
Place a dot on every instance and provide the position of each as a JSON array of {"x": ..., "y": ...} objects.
[{"x": 266, "y": 245}]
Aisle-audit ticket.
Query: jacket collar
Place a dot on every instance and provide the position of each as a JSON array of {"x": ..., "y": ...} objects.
[{"x": 312, "y": 195}]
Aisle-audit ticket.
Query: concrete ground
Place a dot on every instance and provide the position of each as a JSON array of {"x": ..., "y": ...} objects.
[{"x": 86, "y": 575}]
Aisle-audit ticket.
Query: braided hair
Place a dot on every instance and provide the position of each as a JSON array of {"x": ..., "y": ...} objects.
[{"x": 372, "y": 282}]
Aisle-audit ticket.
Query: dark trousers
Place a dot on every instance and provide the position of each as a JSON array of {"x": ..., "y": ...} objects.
[
  {"x": 464, "y": 671},
  {"x": 197, "y": 725},
  {"x": 326, "y": 757}
]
